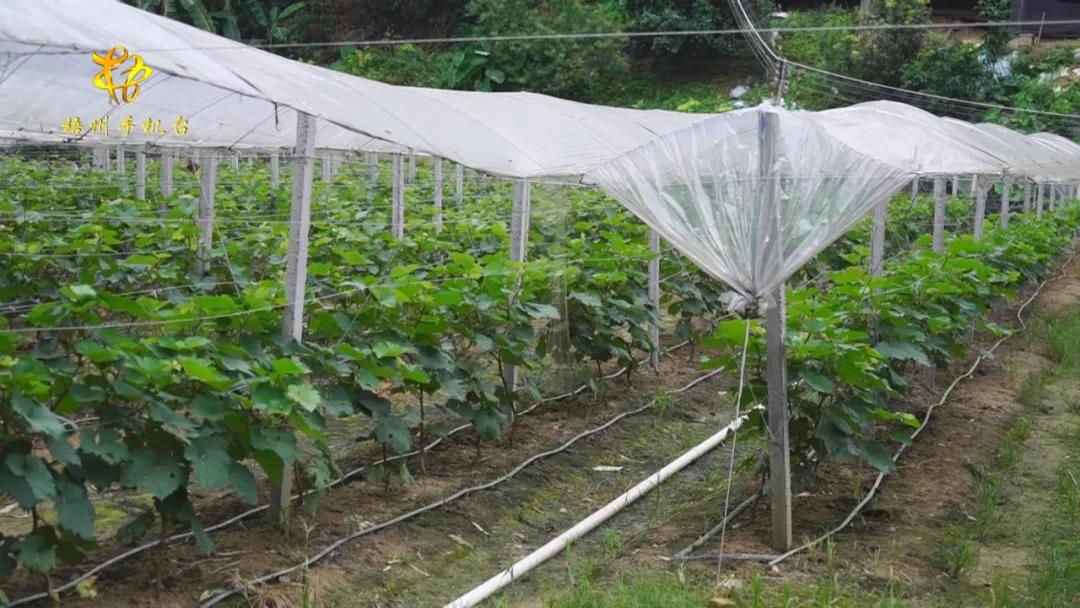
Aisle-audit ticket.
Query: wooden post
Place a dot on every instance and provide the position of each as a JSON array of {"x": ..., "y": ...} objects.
[
  {"x": 519, "y": 240},
  {"x": 438, "y": 186},
  {"x": 776, "y": 363},
  {"x": 654, "y": 296},
  {"x": 140, "y": 174},
  {"x": 165, "y": 180},
  {"x": 207, "y": 183},
  {"x": 877, "y": 238},
  {"x": 939, "y": 214},
  {"x": 1006, "y": 198},
  {"x": 1038, "y": 200},
  {"x": 459, "y": 185},
  {"x": 980, "y": 207},
  {"x": 295, "y": 278},
  {"x": 1027, "y": 196}
]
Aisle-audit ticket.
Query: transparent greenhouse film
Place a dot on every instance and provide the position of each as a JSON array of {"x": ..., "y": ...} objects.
[{"x": 705, "y": 189}]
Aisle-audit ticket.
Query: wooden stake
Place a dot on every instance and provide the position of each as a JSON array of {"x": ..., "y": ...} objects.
[
  {"x": 438, "y": 186},
  {"x": 295, "y": 279},
  {"x": 654, "y": 296},
  {"x": 1006, "y": 198},
  {"x": 207, "y": 185}
]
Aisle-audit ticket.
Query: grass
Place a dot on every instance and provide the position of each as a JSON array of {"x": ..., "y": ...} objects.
[
  {"x": 1054, "y": 579},
  {"x": 653, "y": 591}
]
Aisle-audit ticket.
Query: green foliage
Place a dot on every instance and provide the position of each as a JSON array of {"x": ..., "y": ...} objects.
[
  {"x": 252, "y": 21},
  {"x": 948, "y": 69},
  {"x": 995, "y": 39},
  {"x": 194, "y": 384},
  {"x": 850, "y": 342},
  {"x": 688, "y": 15},
  {"x": 880, "y": 55},
  {"x": 403, "y": 65},
  {"x": 576, "y": 69}
]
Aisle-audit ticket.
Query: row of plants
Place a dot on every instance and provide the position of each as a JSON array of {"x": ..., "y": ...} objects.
[
  {"x": 159, "y": 388},
  {"x": 155, "y": 388},
  {"x": 853, "y": 345}
]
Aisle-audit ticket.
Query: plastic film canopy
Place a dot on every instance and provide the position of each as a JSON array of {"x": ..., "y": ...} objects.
[
  {"x": 708, "y": 189},
  {"x": 235, "y": 96}
]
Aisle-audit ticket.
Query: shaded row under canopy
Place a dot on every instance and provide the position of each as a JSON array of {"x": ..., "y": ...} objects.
[{"x": 749, "y": 195}]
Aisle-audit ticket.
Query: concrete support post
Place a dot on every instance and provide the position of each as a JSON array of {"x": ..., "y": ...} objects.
[
  {"x": 519, "y": 240},
  {"x": 459, "y": 185},
  {"x": 776, "y": 362},
  {"x": 140, "y": 174},
  {"x": 166, "y": 177},
  {"x": 208, "y": 161},
  {"x": 980, "y": 208},
  {"x": 939, "y": 214},
  {"x": 397, "y": 213},
  {"x": 295, "y": 278},
  {"x": 877, "y": 238},
  {"x": 1006, "y": 200}
]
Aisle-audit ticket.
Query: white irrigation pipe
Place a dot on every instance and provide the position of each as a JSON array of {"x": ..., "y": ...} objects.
[
  {"x": 336, "y": 545},
  {"x": 559, "y": 543}
]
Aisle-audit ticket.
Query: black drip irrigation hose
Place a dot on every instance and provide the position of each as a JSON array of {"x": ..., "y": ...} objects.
[
  {"x": 126, "y": 555},
  {"x": 222, "y": 595}
]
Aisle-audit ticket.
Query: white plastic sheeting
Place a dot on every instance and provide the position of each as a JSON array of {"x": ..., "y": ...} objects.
[
  {"x": 235, "y": 95},
  {"x": 698, "y": 179},
  {"x": 907, "y": 136},
  {"x": 709, "y": 190}
]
